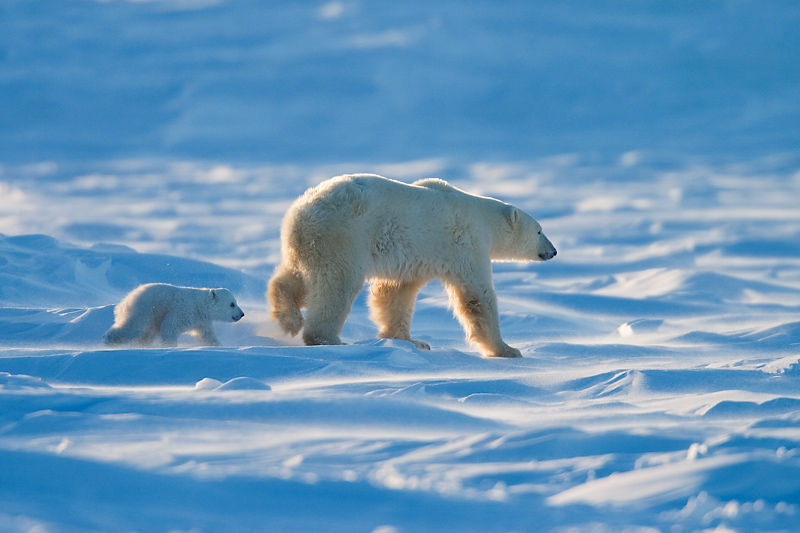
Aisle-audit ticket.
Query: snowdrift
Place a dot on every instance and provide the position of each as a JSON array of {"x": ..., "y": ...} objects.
[{"x": 658, "y": 385}]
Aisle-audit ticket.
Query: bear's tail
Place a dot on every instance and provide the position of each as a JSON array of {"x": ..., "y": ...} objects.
[{"x": 286, "y": 295}]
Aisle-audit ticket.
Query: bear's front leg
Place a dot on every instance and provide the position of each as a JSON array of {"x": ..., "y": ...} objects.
[
  {"x": 391, "y": 306},
  {"x": 476, "y": 309}
]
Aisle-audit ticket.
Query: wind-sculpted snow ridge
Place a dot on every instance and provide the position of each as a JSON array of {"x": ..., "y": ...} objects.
[{"x": 385, "y": 424}]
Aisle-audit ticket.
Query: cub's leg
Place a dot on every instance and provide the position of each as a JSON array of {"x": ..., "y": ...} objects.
[
  {"x": 391, "y": 306},
  {"x": 206, "y": 336},
  {"x": 127, "y": 332},
  {"x": 171, "y": 329},
  {"x": 328, "y": 301},
  {"x": 476, "y": 308},
  {"x": 149, "y": 336}
]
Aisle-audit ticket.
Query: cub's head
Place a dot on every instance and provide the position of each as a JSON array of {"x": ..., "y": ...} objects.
[
  {"x": 521, "y": 238},
  {"x": 225, "y": 308}
]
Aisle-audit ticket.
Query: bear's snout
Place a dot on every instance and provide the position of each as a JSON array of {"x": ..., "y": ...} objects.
[
  {"x": 238, "y": 316},
  {"x": 546, "y": 249},
  {"x": 546, "y": 256}
]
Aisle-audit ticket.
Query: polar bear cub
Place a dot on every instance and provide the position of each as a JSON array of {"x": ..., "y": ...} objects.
[
  {"x": 365, "y": 227},
  {"x": 159, "y": 309}
]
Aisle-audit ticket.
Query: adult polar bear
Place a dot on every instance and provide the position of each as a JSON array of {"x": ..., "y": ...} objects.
[{"x": 362, "y": 226}]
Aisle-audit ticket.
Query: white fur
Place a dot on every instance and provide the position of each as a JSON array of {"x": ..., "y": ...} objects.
[
  {"x": 398, "y": 236},
  {"x": 159, "y": 309}
]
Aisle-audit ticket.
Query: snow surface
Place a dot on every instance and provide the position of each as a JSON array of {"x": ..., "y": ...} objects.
[{"x": 162, "y": 141}]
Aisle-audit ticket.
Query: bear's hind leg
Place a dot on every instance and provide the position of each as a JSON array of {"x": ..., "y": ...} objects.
[
  {"x": 328, "y": 304},
  {"x": 391, "y": 306},
  {"x": 286, "y": 295}
]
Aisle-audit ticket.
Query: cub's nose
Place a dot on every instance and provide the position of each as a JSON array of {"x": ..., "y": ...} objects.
[{"x": 237, "y": 318}]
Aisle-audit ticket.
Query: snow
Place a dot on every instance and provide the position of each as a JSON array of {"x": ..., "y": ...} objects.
[{"x": 162, "y": 141}]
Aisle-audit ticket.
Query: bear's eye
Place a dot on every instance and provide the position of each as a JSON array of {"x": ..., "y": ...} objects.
[{"x": 233, "y": 305}]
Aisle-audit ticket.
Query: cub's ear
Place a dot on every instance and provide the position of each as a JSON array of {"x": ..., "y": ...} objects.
[
  {"x": 213, "y": 294},
  {"x": 512, "y": 215}
]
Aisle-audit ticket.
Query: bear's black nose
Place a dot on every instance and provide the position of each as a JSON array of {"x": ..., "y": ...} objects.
[{"x": 546, "y": 256}]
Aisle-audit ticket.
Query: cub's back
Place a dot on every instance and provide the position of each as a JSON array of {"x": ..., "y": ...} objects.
[{"x": 156, "y": 296}]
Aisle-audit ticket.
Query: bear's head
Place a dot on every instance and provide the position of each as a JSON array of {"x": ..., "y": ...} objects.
[
  {"x": 225, "y": 308},
  {"x": 521, "y": 238}
]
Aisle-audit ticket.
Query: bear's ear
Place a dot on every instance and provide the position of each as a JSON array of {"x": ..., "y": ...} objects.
[
  {"x": 213, "y": 294},
  {"x": 512, "y": 215}
]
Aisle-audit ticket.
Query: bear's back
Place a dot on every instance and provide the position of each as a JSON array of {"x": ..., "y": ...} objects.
[
  {"x": 364, "y": 206},
  {"x": 435, "y": 183}
]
